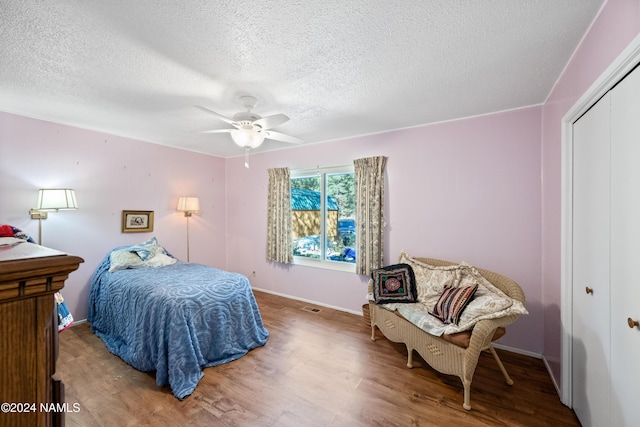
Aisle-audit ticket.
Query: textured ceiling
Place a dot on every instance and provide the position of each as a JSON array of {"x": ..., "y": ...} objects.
[{"x": 337, "y": 68}]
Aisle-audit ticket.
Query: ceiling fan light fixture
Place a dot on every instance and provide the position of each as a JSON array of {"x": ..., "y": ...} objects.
[{"x": 247, "y": 138}]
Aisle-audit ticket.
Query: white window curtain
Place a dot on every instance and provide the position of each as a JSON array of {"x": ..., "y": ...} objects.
[
  {"x": 369, "y": 182},
  {"x": 279, "y": 217}
]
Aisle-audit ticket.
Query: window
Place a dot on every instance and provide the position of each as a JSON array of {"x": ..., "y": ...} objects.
[{"x": 323, "y": 217}]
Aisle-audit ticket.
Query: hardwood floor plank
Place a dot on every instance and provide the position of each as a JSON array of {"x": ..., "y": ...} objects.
[{"x": 317, "y": 369}]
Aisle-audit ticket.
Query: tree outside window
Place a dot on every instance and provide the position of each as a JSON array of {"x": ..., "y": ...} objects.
[{"x": 323, "y": 214}]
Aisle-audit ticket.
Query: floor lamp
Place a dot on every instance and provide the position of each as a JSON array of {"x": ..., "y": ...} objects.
[
  {"x": 52, "y": 200},
  {"x": 188, "y": 205}
]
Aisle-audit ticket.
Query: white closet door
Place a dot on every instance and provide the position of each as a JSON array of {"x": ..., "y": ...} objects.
[
  {"x": 591, "y": 191},
  {"x": 625, "y": 251}
]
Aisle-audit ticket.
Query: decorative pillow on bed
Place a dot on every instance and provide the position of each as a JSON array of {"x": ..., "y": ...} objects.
[
  {"x": 431, "y": 281},
  {"x": 394, "y": 283},
  {"x": 159, "y": 258},
  {"x": 146, "y": 254},
  {"x": 123, "y": 259},
  {"x": 145, "y": 250},
  {"x": 452, "y": 303}
]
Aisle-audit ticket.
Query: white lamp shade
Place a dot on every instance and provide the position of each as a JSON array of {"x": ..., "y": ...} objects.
[
  {"x": 56, "y": 199},
  {"x": 188, "y": 204},
  {"x": 247, "y": 138}
]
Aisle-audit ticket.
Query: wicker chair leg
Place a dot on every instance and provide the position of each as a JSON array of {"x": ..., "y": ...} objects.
[
  {"x": 467, "y": 395},
  {"x": 373, "y": 331},
  {"x": 507, "y": 378},
  {"x": 409, "y": 357}
]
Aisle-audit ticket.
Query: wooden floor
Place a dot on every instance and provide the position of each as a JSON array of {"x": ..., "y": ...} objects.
[{"x": 317, "y": 369}]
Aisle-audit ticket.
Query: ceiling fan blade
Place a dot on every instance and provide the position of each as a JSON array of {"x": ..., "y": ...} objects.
[
  {"x": 220, "y": 116},
  {"x": 218, "y": 131},
  {"x": 271, "y": 121},
  {"x": 282, "y": 137}
]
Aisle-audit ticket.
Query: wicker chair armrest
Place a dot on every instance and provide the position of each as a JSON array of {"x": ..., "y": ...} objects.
[
  {"x": 480, "y": 340},
  {"x": 482, "y": 333},
  {"x": 483, "y": 330}
]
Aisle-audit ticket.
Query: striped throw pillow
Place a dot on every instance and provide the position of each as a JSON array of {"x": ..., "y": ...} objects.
[{"x": 452, "y": 303}]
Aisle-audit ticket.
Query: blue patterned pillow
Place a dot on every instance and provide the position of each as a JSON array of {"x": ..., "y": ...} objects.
[
  {"x": 394, "y": 283},
  {"x": 145, "y": 250}
]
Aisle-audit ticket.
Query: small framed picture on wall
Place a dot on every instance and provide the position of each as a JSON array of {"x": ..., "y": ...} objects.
[{"x": 137, "y": 221}]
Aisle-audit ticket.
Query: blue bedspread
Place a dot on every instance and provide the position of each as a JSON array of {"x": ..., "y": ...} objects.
[{"x": 175, "y": 320}]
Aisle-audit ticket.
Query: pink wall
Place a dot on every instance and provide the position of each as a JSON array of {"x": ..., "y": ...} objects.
[
  {"x": 463, "y": 190},
  {"x": 616, "y": 26},
  {"x": 109, "y": 174},
  {"x": 467, "y": 190}
]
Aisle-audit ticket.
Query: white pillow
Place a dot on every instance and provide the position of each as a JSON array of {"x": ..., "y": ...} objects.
[
  {"x": 489, "y": 301},
  {"x": 431, "y": 280},
  {"x": 154, "y": 255},
  {"x": 159, "y": 258},
  {"x": 123, "y": 259}
]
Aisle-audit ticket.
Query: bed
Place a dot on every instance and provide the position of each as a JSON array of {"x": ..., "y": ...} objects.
[{"x": 172, "y": 317}]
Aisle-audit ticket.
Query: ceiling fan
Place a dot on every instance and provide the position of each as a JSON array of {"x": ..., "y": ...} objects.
[{"x": 249, "y": 129}]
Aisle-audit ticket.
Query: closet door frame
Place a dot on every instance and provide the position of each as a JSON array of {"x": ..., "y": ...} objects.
[
  {"x": 619, "y": 68},
  {"x": 591, "y": 360}
]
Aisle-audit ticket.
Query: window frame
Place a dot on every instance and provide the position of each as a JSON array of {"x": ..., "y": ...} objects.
[{"x": 322, "y": 172}]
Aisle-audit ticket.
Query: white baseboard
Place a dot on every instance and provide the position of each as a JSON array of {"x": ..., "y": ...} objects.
[
  {"x": 359, "y": 313},
  {"x": 553, "y": 380},
  {"x": 518, "y": 351},
  {"x": 537, "y": 356}
]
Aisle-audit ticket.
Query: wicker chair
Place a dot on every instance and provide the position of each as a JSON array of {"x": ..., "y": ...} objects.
[{"x": 441, "y": 354}]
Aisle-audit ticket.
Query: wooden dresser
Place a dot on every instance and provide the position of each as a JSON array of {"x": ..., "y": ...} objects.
[{"x": 29, "y": 277}]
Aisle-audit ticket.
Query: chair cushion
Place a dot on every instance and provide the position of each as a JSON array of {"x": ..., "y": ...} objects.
[{"x": 462, "y": 339}]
